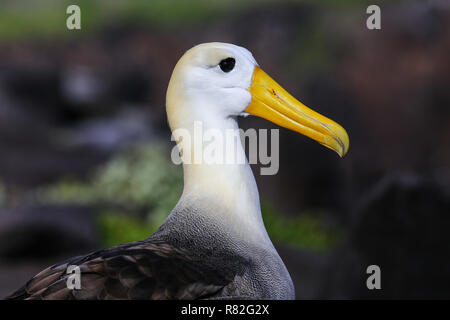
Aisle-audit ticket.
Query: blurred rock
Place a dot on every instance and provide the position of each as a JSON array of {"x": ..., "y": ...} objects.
[
  {"x": 129, "y": 126},
  {"x": 81, "y": 86},
  {"x": 307, "y": 269},
  {"x": 35, "y": 233},
  {"x": 401, "y": 226}
]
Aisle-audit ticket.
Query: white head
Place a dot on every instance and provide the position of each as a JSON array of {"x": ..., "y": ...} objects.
[
  {"x": 215, "y": 82},
  {"x": 212, "y": 79}
]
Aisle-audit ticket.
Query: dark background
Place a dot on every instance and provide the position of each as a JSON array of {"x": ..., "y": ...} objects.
[{"x": 85, "y": 145}]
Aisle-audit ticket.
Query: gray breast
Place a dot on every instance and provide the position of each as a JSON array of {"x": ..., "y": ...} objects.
[{"x": 260, "y": 272}]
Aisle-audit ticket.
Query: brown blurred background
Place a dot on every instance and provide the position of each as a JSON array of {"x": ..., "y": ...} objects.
[{"x": 85, "y": 145}]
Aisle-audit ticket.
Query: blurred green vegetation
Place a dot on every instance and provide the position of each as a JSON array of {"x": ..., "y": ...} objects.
[
  {"x": 116, "y": 228},
  {"x": 306, "y": 231},
  {"x": 135, "y": 191},
  {"x": 140, "y": 179},
  {"x": 48, "y": 17},
  {"x": 312, "y": 51}
]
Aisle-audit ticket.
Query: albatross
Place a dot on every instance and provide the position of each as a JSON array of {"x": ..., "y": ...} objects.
[{"x": 213, "y": 245}]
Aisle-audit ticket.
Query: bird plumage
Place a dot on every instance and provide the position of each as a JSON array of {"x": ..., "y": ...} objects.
[
  {"x": 140, "y": 270},
  {"x": 168, "y": 265},
  {"x": 214, "y": 244}
]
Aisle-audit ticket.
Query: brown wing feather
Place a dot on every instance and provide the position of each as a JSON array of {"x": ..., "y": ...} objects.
[{"x": 140, "y": 270}]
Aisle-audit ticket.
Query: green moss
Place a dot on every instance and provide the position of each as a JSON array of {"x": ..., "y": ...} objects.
[
  {"x": 306, "y": 231},
  {"x": 116, "y": 229}
]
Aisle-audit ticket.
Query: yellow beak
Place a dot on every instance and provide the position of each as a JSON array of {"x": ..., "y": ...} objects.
[{"x": 271, "y": 102}]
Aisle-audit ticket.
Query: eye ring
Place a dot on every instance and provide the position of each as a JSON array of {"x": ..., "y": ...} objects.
[{"x": 226, "y": 65}]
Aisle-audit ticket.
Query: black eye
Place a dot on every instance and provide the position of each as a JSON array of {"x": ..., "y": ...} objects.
[{"x": 227, "y": 64}]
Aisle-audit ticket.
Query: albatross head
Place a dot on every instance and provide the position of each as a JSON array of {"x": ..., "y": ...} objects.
[{"x": 214, "y": 82}]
